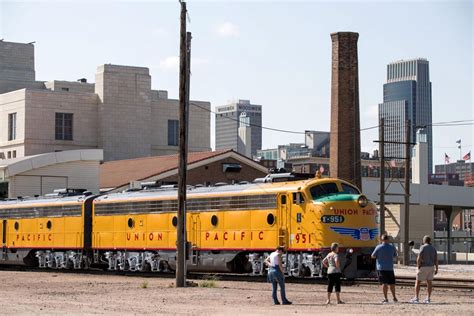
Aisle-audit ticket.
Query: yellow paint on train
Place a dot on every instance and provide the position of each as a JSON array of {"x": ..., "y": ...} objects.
[
  {"x": 297, "y": 221},
  {"x": 31, "y": 232}
]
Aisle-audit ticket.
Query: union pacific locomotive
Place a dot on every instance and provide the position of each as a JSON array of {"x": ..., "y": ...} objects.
[{"x": 230, "y": 228}]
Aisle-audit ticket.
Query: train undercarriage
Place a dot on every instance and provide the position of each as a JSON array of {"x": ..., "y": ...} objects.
[{"x": 298, "y": 264}]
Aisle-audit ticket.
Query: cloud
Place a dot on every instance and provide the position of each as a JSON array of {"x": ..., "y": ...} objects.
[
  {"x": 170, "y": 63},
  {"x": 227, "y": 29}
]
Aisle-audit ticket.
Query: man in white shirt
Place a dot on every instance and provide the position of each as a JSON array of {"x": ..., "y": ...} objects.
[{"x": 275, "y": 275}]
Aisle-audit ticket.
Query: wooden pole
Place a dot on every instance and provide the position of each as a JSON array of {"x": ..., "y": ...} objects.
[
  {"x": 181, "y": 228},
  {"x": 382, "y": 174},
  {"x": 406, "y": 230}
]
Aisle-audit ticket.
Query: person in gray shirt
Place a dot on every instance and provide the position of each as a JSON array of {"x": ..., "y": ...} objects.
[{"x": 427, "y": 267}]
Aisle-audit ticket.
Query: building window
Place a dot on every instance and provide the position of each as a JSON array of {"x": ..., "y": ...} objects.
[
  {"x": 65, "y": 89},
  {"x": 173, "y": 132},
  {"x": 14, "y": 154},
  {"x": 11, "y": 126},
  {"x": 64, "y": 126}
]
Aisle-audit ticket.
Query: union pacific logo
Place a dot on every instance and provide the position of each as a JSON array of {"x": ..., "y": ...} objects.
[{"x": 362, "y": 233}]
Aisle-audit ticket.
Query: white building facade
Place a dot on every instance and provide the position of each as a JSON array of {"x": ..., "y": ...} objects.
[{"x": 120, "y": 113}]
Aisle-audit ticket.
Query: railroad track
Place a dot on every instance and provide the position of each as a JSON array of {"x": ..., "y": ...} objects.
[{"x": 444, "y": 283}]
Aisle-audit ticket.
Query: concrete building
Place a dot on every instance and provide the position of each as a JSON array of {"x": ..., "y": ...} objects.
[
  {"x": 42, "y": 174},
  {"x": 244, "y": 144},
  {"x": 318, "y": 142},
  {"x": 204, "y": 168},
  {"x": 120, "y": 113},
  {"x": 227, "y": 125},
  {"x": 407, "y": 96},
  {"x": 463, "y": 168},
  {"x": 370, "y": 168},
  {"x": 345, "y": 123}
]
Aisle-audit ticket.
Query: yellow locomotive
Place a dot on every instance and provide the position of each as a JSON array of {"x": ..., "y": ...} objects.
[{"x": 230, "y": 228}]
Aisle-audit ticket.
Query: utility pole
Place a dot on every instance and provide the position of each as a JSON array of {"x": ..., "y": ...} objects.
[
  {"x": 405, "y": 216},
  {"x": 183, "y": 85},
  {"x": 406, "y": 247},
  {"x": 382, "y": 174}
]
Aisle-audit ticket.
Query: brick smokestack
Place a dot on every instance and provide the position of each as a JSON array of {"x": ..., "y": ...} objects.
[{"x": 345, "y": 125}]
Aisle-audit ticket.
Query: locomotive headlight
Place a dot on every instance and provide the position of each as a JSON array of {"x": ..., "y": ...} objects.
[{"x": 362, "y": 201}]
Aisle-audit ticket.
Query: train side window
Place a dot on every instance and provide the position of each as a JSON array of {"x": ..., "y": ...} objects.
[
  {"x": 298, "y": 198},
  {"x": 49, "y": 225},
  {"x": 283, "y": 199},
  {"x": 131, "y": 223},
  {"x": 214, "y": 220},
  {"x": 270, "y": 219},
  {"x": 174, "y": 221},
  {"x": 16, "y": 225}
]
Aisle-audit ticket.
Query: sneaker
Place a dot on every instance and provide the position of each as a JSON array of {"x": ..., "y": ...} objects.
[
  {"x": 287, "y": 303},
  {"x": 384, "y": 301},
  {"x": 341, "y": 302},
  {"x": 395, "y": 300},
  {"x": 276, "y": 303},
  {"x": 426, "y": 301},
  {"x": 414, "y": 300}
]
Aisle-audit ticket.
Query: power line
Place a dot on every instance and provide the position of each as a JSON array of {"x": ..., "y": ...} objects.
[{"x": 271, "y": 128}]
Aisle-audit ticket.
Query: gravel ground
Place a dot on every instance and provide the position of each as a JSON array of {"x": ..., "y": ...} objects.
[{"x": 59, "y": 293}]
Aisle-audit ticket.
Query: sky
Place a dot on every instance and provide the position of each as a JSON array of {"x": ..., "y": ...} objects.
[{"x": 273, "y": 53}]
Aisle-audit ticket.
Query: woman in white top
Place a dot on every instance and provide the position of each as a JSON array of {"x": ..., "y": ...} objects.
[
  {"x": 275, "y": 275},
  {"x": 333, "y": 264}
]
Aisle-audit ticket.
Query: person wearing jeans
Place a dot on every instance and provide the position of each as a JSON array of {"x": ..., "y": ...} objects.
[{"x": 275, "y": 275}]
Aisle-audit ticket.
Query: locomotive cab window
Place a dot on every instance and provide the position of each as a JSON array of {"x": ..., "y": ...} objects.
[
  {"x": 298, "y": 198},
  {"x": 323, "y": 190},
  {"x": 283, "y": 199},
  {"x": 349, "y": 189}
]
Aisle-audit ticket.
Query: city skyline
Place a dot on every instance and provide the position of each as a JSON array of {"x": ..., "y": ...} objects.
[
  {"x": 407, "y": 96},
  {"x": 293, "y": 73}
]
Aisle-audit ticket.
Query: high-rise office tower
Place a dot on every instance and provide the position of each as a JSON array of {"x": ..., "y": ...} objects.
[
  {"x": 228, "y": 121},
  {"x": 407, "y": 96}
]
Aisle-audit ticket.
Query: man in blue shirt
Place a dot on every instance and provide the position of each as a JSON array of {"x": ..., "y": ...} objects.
[{"x": 384, "y": 254}]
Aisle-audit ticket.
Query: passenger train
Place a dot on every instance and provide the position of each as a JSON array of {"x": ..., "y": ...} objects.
[{"x": 230, "y": 228}]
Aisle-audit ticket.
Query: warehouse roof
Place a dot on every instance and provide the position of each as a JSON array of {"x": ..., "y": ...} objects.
[
  {"x": 119, "y": 173},
  {"x": 12, "y": 167}
]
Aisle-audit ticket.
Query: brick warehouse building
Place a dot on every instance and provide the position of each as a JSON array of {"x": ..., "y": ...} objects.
[
  {"x": 120, "y": 113},
  {"x": 204, "y": 168}
]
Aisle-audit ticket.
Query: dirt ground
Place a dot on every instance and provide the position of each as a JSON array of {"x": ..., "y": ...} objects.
[{"x": 60, "y": 293}]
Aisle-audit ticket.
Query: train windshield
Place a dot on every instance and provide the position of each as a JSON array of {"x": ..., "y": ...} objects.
[
  {"x": 322, "y": 190},
  {"x": 349, "y": 189}
]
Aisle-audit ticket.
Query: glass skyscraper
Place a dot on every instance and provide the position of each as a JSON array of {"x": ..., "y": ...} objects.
[{"x": 407, "y": 96}]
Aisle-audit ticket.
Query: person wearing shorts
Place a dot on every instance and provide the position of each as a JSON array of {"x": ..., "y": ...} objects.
[
  {"x": 384, "y": 254},
  {"x": 427, "y": 267}
]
